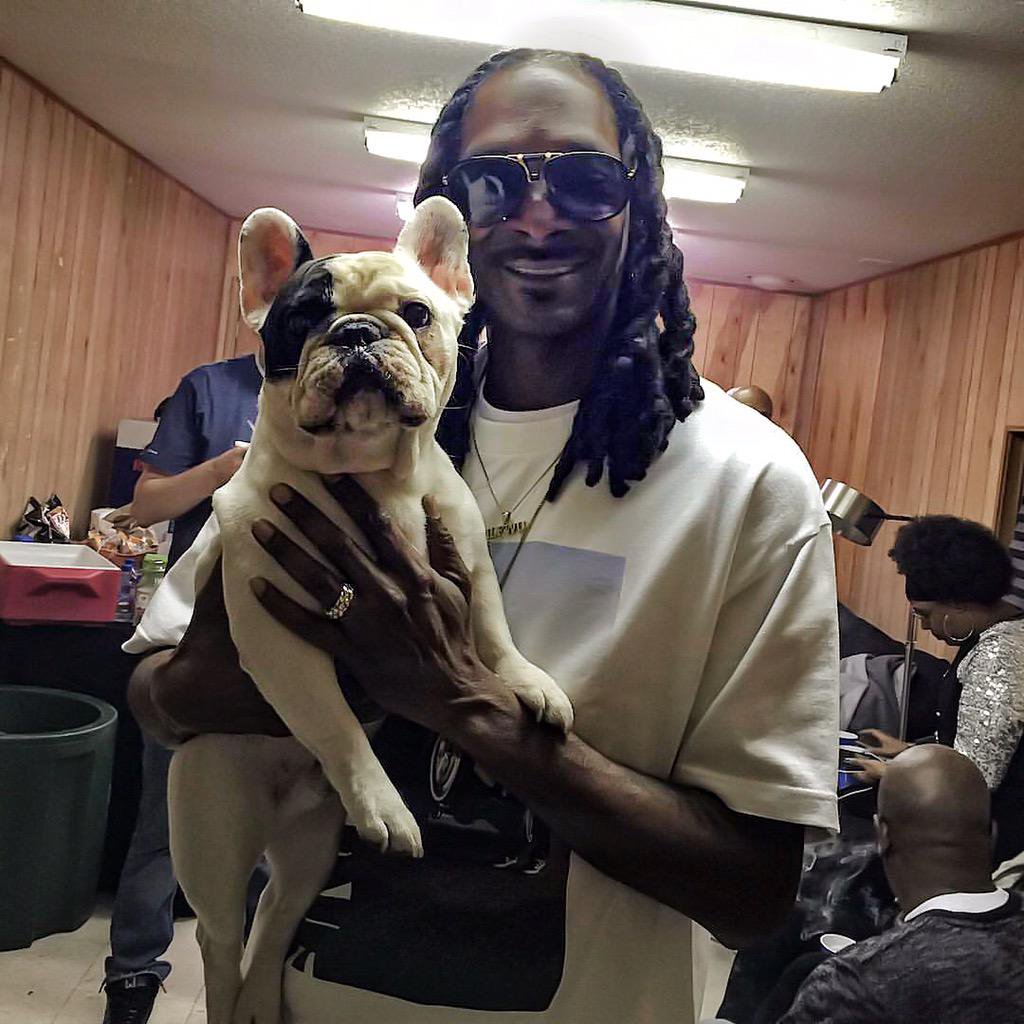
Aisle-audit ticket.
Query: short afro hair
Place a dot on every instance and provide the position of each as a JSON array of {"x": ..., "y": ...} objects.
[{"x": 952, "y": 560}]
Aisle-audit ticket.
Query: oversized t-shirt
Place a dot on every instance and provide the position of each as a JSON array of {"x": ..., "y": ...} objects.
[{"x": 693, "y": 624}]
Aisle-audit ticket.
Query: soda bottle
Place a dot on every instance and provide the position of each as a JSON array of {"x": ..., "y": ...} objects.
[{"x": 153, "y": 569}]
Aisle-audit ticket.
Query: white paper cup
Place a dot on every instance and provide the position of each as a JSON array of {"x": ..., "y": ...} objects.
[{"x": 836, "y": 943}]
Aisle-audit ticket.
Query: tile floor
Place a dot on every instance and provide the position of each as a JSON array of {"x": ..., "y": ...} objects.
[{"x": 56, "y": 980}]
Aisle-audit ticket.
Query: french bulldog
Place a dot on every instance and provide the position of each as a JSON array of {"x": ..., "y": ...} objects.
[{"x": 360, "y": 353}]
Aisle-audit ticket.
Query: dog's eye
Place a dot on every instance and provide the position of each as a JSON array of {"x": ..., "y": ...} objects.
[{"x": 417, "y": 315}]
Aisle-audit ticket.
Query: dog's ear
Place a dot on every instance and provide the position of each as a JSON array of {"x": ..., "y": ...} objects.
[
  {"x": 270, "y": 247},
  {"x": 437, "y": 239}
]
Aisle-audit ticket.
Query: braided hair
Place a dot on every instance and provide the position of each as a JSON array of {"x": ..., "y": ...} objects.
[{"x": 645, "y": 379}]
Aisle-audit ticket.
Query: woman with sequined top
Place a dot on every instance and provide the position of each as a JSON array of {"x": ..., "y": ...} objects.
[{"x": 957, "y": 573}]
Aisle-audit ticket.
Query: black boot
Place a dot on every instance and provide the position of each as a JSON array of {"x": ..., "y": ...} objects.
[{"x": 130, "y": 1000}]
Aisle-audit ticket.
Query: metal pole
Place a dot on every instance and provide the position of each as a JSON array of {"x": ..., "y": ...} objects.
[{"x": 908, "y": 659}]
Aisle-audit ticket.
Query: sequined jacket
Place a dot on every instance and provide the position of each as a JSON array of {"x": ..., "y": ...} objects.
[{"x": 991, "y": 716}]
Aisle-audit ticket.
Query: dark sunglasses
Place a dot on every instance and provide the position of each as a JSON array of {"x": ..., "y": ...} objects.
[{"x": 581, "y": 186}]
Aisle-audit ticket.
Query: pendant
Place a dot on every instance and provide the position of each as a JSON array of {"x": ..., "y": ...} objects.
[{"x": 508, "y": 528}]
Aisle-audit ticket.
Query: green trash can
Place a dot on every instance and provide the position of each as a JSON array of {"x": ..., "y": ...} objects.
[{"x": 56, "y": 756}]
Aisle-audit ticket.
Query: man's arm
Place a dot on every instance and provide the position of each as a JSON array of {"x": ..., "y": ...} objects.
[
  {"x": 159, "y": 496},
  {"x": 762, "y": 740},
  {"x": 733, "y": 873},
  {"x": 190, "y": 681}
]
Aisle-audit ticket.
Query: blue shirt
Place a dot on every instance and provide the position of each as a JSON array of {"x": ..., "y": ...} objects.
[{"x": 213, "y": 407}]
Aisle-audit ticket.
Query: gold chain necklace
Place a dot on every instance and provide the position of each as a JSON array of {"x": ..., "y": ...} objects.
[
  {"x": 519, "y": 547},
  {"x": 508, "y": 527}
]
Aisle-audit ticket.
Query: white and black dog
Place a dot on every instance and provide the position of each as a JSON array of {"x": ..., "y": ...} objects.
[{"x": 361, "y": 353}]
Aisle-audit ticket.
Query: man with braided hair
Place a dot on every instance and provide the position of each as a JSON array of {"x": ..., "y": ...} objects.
[{"x": 686, "y": 604}]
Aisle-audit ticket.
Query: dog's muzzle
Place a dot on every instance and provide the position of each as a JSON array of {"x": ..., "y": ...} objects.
[{"x": 356, "y": 332}]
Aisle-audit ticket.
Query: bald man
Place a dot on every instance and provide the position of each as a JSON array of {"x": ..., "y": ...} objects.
[
  {"x": 756, "y": 398},
  {"x": 958, "y": 954}
]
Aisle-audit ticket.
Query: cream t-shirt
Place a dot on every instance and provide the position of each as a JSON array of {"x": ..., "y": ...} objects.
[{"x": 693, "y": 623}]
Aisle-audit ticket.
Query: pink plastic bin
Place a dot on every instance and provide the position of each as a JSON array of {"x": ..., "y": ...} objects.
[{"x": 56, "y": 583}]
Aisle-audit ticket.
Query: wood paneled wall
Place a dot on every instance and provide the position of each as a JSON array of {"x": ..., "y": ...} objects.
[
  {"x": 918, "y": 379},
  {"x": 234, "y": 335},
  {"x": 745, "y": 336},
  {"x": 109, "y": 291}
]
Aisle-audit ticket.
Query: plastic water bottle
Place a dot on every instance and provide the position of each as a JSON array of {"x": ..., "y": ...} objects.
[
  {"x": 126, "y": 593},
  {"x": 153, "y": 569}
]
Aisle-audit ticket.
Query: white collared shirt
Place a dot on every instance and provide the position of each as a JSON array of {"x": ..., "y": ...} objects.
[{"x": 961, "y": 903}]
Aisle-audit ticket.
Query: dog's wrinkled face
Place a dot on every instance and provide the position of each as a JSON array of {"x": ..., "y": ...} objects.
[
  {"x": 376, "y": 346},
  {"x": 360, "y": 349}
]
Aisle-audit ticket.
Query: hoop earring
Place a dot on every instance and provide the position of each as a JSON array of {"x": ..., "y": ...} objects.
[{"x": 955, "y": 639}]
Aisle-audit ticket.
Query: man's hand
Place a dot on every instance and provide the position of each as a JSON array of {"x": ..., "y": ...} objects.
[
  {"x": 406, "y": 637},
  {"x": 882, "y": 743},
  {"x": 226, "y": 465},
  {"x": 872, "y": 771}
]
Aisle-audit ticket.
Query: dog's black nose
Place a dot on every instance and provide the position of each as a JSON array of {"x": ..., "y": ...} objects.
[{"x": 357, "y": 333}]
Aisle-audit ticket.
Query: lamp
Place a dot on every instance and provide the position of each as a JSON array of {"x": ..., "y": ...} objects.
[
  {"x": 857, "y": 518},
  {"x": 751, "y": 47},
  {"x": 697, "y": 180},
  {"x": 854, "y": 515}
]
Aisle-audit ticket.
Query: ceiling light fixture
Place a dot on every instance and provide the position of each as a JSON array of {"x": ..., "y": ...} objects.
[
  {"x": 751, "y": 47},
  {"x": 396, "y": 140},
  {"x": 684, "y": 179},
  {"x": 771, "y": 282},
  {"x": 703, "y": 182}
]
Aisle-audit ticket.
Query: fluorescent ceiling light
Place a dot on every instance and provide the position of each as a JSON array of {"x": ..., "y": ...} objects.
[
  {"x": 751, "y": 47},
  {"x": 396, "y": 140},
  {"x": 404, "y": 208},
  {"x": 684, "y": 179},
  {"x": 703, "y": 182}
]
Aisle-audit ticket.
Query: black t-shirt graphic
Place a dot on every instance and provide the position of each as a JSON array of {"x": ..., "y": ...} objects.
[{"x": 478, "y": 923}]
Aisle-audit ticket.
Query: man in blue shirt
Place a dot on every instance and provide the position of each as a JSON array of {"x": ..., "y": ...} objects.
[
  {"x": 192, "y": 454},
  {"x": 193, "y": 451}
]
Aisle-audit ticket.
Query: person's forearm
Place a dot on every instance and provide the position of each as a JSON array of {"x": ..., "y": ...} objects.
[
  {"x": 167, "y": 497},
  {"x": 735, "y": 874}
]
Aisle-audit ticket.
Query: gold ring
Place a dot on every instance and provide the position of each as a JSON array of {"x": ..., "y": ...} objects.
[{"x": 341, "y": 605}]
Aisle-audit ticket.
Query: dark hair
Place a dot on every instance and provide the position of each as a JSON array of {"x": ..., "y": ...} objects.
[
  {"x": 948, "y": 559},
  {"x": 645, "y": 380}
]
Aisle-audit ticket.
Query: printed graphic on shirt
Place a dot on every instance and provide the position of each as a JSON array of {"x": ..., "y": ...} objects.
[
  {"x": 479, "y": 922},
  {"x": 581, "y": 588}
]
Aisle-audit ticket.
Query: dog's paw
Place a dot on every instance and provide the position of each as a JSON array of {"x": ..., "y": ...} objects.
[
  {"x": 546, "y": 701},
  {"x": 383, "y": 820},
  {"x": 259, "y": 1001}
]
